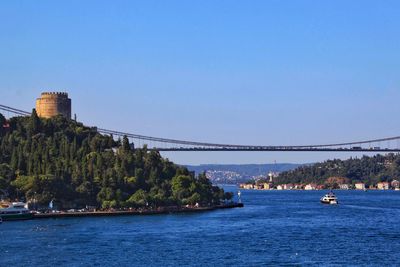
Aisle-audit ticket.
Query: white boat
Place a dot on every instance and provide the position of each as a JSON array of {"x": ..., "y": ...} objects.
[
  {"x": 329, "y": 198},
  {"x": 15, "y": 211}
]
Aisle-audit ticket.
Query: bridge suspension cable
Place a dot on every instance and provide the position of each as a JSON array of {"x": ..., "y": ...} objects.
[{"x": 221, "y": 147}]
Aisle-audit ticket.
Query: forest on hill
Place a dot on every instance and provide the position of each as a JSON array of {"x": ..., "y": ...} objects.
[
  {"x": 369, "y": 170},
  {"x": 63, "y": 161}
]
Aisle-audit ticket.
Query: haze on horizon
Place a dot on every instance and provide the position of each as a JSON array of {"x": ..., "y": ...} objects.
[{"x": 259, "y": 72}]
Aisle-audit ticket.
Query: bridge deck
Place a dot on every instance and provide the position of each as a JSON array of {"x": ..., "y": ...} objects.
[
  {"x": 166, "y": 144},
  {"x": 280, "y": 149}
]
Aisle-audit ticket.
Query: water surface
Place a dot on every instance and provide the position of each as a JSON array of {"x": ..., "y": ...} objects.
[{"x": 275, "y": 228}]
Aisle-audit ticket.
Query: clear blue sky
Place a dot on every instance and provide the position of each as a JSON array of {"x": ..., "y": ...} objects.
[{"x": 247, "y": 72}]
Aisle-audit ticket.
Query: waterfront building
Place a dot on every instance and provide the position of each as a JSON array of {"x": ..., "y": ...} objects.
[
  {"x": 310, "y": 187},
  {"x": 298, "y": 186},
  {"x": 268, "y": 186},
  {"x": 288, "y": 186},
  {"x": 344, "y": 186},
  {"x": 360, "y": 186},
  {"x": 395, "y": 184},
  {"x": 259, "y": 186},
  {"x": 383, "y": 186},
  {"x": 248, "y": 186},
  {"x": 51, "y": 104}
]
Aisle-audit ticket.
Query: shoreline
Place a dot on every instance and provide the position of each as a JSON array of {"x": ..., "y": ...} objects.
[{"x": 133, "y": 212}]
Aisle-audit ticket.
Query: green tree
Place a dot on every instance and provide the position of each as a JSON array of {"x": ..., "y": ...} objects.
[
  {"x": 34, "y": 123},
  {"x": 182, "y": 188},
  {"x": 138, "y": 199},
  {"x": 2, "y": 124},
  {"x": 126, "y": 147}
]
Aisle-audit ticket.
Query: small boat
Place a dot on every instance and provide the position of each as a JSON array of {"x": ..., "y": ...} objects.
[
  {"x": 15, "y": 211},
  {"x": 329, "y": 198}
]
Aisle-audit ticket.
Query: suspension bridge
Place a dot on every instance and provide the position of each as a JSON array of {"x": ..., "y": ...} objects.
[{"x": 387, "y": 145}]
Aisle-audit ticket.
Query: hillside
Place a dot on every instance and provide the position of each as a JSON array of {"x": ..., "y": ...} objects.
[
  {"x": 61, "y": 160},
  {"x": 369, "y": 170}
]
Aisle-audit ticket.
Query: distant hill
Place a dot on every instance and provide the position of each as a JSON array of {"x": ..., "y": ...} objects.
[
  {"x": 369, "y": 170},
  {"x": 237, "y": 173}
]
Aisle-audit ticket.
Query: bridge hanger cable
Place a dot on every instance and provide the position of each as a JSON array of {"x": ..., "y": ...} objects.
[{"x": 204, "y": 144}]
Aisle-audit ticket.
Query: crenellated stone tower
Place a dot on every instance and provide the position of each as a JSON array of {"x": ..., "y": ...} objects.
[{"x": 51, "y": 104}]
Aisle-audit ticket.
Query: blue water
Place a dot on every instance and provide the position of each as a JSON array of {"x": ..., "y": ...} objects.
[{"x": 275, "y": 228}]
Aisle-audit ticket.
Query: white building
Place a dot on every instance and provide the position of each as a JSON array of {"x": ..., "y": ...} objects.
[
  {"x": 360, "y": 186},
  {"x": 288, "y": 186},
  {"x": 310, "y": 187},
  {"x": 344, "y": 186},
  {"x": 395, "y": 184},
  {"x": 383, "y": 186}
]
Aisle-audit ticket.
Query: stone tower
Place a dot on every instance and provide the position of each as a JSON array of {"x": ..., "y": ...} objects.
[{"x": 51, "y": 104}]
